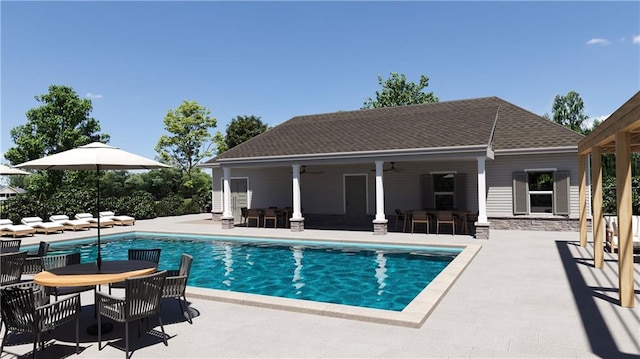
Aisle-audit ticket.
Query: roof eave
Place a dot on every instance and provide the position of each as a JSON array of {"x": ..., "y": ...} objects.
[{"x": 537, "y": 151}]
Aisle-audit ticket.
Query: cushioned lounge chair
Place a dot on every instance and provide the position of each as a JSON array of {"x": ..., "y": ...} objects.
[
  {"x": 104, "y": 222},
  {"x": 42, "y": 227},
  {"x": 73, "y": 224},
  {"x": 7, "y": 228},
  {"x": 119, "y": 220}
]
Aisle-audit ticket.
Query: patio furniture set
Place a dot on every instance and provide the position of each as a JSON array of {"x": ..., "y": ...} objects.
[
  {"x": 263, "y": 216},
  {"x": 59, "y": 223},
  {"x": 451, "y": 218},
  {"x": 26, "y": 305}
]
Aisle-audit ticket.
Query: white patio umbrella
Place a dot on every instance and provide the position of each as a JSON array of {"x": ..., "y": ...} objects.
[
  {"x": 6, "y": 170},
  {"x": 94, "y": 156}
]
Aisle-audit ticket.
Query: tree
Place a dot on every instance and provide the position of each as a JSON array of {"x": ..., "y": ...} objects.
[
  {"x": 190, "y": 141},
  {"x": 396, "y": 91},
  {"x": 61, "y": 123},
  {"x": 568, "y": 111},
  {"x": 239, "y": 130}
]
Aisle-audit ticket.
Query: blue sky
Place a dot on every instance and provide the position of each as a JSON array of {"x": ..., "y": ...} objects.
[{"x": 276, "y": 60}]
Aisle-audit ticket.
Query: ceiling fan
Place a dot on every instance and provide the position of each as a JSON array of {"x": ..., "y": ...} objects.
[
  {"x": 303, "y": 170},
  {"x": 392, "y": 168}
]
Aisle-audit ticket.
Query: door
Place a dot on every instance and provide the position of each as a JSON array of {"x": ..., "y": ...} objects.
[
  {"x": 355, "y": 199},
  {"x": 239, "y": 197}
]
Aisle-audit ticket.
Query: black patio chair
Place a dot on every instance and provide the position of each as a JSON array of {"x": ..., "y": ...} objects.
[
  {"x": 33, "y": 263},
  {"x": 142, "y": 299},
  {"x": 10, "y": 245},
  {"x": 11, "y": 267},
  {"x": 39, "y": 294},
  {"x": 62, "y": 260},
  {"x": 175, "y": 285},
  {"x": 149, "y": 255},
  {"x": 22, "y": 314}
]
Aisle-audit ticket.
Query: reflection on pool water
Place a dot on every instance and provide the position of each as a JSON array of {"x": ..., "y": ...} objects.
[{"x": 372, "y": 276}]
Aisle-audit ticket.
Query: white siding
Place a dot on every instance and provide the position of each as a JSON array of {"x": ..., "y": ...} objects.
[{"x": 500, "y": 179}]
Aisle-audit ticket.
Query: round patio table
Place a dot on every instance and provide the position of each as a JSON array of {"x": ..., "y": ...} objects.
[
  {"x": 79, "y": 275},
  {"x": 85, "y": 274}
]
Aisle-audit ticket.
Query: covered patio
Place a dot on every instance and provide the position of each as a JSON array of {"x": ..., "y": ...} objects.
[{"x": 619, "y": 134}]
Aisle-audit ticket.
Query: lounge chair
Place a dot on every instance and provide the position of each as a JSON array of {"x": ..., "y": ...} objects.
[
  {"x": 73, "y": 224},
  {"x": 7, "y": 228},
  {"x": 611, "y": 233},
  {"x": 119, "y": 220},
  {"x": 42, "y": 227},
  {"x": 104, "y": 222}
]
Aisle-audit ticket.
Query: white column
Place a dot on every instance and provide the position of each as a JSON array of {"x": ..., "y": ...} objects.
[
  {"x": 226, "y": 203},
  {"x": 482, "y": 194},
  {"x": 297, "y": 211},
  {"x": 379, "y": 192},
  {"x": 213, "y": 204}
]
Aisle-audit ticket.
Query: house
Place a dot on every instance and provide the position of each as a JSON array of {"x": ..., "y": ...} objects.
[
  {"x": 511, "y": 167},
  {"x": 7, "y": 192}
]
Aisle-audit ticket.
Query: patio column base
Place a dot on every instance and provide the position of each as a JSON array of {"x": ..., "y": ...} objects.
[
  {"x": 227, "y": 222},
  {"x": 380, "y": 226},
  {"x": 216, "y": 216},
  {"x": 297, "y": 224},
  {"x": 482, "y": 230}
]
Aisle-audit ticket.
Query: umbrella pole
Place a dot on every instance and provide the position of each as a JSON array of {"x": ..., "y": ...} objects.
[{"x": 99, "y": 259}]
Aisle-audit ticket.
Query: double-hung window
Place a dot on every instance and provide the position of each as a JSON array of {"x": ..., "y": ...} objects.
[{"x": 541, "y": 191}]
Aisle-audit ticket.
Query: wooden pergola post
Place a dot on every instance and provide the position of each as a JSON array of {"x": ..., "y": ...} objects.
[
  {"x": 598, "y": 219},
  {"x": 623, "y": 197},
  {"x": 582, "y": 190}
]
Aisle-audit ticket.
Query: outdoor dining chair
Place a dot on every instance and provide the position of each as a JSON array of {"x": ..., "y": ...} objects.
[
  {"x": 253, "y": 213},
  {"x": 10, "y": 245},
  {"x": 445, "y": 217},
  {"x": 270, "y": 215},
  {"x": 22, "y": 314},
  {"x": 33, "y": 262},
  {"x": 63, "y": 260},
  {"x": 39, "y": 294},
  {"x": 142, "y": 297},
  {"x": 420, "y": 217},
  {"x": 135, "y": 254},
  {"x": 400, "y": 217},
  {"x": 175, "y": 285},
  {"x": 11, "y": 267}
]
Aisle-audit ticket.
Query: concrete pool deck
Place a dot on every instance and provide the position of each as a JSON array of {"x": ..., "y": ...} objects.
[{"x": 525, "y": 294}]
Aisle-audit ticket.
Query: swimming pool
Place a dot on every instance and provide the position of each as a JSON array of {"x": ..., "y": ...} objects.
[{"x": 369, "y": 276}]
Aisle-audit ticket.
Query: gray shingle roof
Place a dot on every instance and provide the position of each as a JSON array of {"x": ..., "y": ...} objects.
[{"x": 437, "y": 125}]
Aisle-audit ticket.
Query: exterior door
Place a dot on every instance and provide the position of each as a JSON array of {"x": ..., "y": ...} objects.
[
  {"x": 239, "y": 197},
  {"x": 355, "y": 197}
]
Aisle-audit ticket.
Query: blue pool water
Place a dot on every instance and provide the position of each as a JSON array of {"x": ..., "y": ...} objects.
[{"x": 383, "y": 277}]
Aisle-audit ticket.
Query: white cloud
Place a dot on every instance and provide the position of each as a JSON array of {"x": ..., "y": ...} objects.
[
  {"x": 598, "y": 41},
  {"x": 588, "y": 123},
  {"x": 92, "y": 95},
  {"x": 635, "y": 39}
]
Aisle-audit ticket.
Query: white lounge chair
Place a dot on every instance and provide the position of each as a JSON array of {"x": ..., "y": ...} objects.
[
  {"x": 7, "y": 228},
  {"x": 104, "y": 222},
  {"x": 119, "y": 220},
  {"x": 42, "y": 227},
  {"x": 74, "y": 224}
]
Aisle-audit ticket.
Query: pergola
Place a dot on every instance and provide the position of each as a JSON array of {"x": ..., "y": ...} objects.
[{"x": 618, "y": 134}]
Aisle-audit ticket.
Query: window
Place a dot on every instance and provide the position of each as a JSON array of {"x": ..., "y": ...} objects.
[
  {"x": 443, "y": 190},
  {"x": 541, "y": 191}
]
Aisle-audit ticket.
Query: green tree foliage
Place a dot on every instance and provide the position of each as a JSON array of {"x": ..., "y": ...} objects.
[
  {"x": 189, "y": 140},
  {"x": 568, "y": 111},
  {"x": 396, "y": 91},
  {"x": 239, "y": 130},
  {"x": 60, "y": 123}
]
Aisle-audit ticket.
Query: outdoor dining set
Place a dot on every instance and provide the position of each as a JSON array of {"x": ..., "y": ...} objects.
[
  {"x": 451, "y": 219},
  {"x": 29, "y": 280}
]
